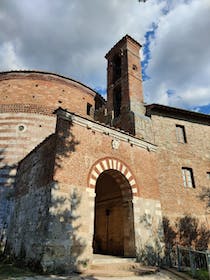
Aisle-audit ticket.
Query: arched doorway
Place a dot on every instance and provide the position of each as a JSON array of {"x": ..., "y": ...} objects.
[{"x": 114, "y": 222}]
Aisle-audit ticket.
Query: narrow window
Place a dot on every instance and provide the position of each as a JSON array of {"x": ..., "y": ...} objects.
[
  {"x": 117, "y": 101},
  {"x": 89, "y": 106},
  {"x": 180, "y": 134},
  {"x": 208, "y": 175},
  {"x": 188, "y": 179},
  {"x": 116, "y": 68}
]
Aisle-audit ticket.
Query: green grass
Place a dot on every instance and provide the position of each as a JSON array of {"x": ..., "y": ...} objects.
[
  {"x": 9, "y": 270},
  {"x": 201, "y": 274}
]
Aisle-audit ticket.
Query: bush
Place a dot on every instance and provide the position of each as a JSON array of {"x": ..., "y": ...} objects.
[{"x": 201, "y": 274}]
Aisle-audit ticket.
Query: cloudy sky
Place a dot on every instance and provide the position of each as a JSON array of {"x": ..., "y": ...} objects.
[{"x": 71, "y": 37}]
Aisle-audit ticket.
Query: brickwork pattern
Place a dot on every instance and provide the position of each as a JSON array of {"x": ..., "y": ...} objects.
[
  {"x": 111, "y": 163},
  {"x": 28, "y": 100},
  {"x": 176, "y": 199},
  {"x": 65, "y": 168}
]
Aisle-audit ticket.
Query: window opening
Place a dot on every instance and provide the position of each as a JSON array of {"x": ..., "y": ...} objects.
[
  {"x": 21, "y": 128},
  {"x": 134, "y": 67},
  {"x": 208, "y": 175},
  {"x": 181, "y": 134},
  {"x": 116, "y": 68},
  {"x": 89, "y": 106},
  {"x": 188, "y": 179},
  {"x": 117, "y": 102}
]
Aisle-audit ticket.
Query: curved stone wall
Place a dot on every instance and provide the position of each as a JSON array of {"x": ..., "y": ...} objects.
[
  {"x": 45, "y": 89},
  {"x": 19, "y": 134},
  {"x": 28, "y": 100}
]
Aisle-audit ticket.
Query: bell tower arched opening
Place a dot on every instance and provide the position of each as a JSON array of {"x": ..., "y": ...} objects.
[{"x": 113, "y": 222}]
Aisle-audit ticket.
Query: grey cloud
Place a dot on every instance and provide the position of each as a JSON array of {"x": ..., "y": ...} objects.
[
  {"x": 72, "y": 37},
  {"x": 61, "y": 36},
  {"x": 180, "y": 55}
]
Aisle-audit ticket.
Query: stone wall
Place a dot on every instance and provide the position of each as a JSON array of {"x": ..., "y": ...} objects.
[
  {"x": 80, "y": 148},
  {"x": 28, "y": 229},
  {"x": 19, "y": 134},
  {"x": 29, "y": 223},
  {"x": 148, "y": 230},
  {"x": 69, "y": 242},
  {"x": 28, "y": 100},
  {"x": 60, "y": 223},
  {"x": 177, "y": 200}
]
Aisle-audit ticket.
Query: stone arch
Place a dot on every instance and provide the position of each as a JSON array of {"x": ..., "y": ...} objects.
[
  {"x": 114, "y": 232},
  {"x": 110, "y": 163}
]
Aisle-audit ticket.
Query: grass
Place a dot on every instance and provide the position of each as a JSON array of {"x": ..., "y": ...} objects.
[
  {"x": 9, "y": 270},
  {"x": 201, "y": 274}
]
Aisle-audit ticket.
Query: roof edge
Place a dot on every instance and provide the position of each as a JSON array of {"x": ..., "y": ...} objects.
[{"x": 152, "y": 108}]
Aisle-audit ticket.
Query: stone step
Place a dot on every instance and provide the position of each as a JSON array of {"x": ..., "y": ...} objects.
[
  {"x": 102, "y": 259},
  {"x": 109, "y": 266},
  {"x": 121, "y": 266},
  {"x": 120, "y": 271},
  {"x": 114, "y": 273}
]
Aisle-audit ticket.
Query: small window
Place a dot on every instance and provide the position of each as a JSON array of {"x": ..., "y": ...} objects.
[
  {"x": 89, "y": 106},
  {"x": 134, "y": 67},
  {"x": 188, "y": 179},
  {"x": 21, "y": 128},
  {"x": 208, "y": 175},
  {"x": 180, "y": 134}
]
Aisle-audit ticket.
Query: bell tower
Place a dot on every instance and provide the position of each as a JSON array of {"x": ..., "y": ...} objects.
[{"x": 124, "y": 84}]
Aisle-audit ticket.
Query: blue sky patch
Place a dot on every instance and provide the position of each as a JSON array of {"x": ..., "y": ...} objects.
[
  {"x": 202, "y": 109},
  {"x": 101, "y": 91},
  {"x": 149, "y": 36},
  {"x": 170, "y": 92}
]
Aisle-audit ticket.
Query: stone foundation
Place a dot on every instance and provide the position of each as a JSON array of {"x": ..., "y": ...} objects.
[
  {"x": 148, "y": 230},
  {"x": 28, "y": 228}
]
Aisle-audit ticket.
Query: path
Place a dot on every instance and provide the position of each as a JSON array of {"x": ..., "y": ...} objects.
[{"x": 163, "y": 275}]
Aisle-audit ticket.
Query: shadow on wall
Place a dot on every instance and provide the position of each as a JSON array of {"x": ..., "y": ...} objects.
[
  {"x": 205, "y": 196},
  {"x": 64, "y": 245},
  {"x": 150, "y": 250},
  {"x": 66, "y": 141},
  {"x": 45, "y": 226},
  {"x": 7, "y": 178},
  {"x": 186, "y": 232}
]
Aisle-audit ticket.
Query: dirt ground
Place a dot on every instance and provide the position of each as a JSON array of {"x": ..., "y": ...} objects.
[{"x": 162, "y": 275}]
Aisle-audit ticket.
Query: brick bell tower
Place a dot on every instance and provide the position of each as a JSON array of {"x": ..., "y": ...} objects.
[{"x": 124, "y": 85}]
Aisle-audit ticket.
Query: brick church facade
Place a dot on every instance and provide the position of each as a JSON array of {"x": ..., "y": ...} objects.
[{"x": 81, "y": 175}]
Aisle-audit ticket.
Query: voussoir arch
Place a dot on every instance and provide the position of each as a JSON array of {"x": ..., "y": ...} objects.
[{"x": 111, "y": 163}]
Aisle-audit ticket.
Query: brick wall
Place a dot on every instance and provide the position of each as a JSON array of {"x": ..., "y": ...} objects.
[
  {"x": 67, "y": 200},
  {"x": 80, "y": 148},
  {"x": 45, "y": 90},
  {"x": 86, "y": 146},
  {"x": 28, "y": 99},
  {"x": 176, "y": 199}
]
